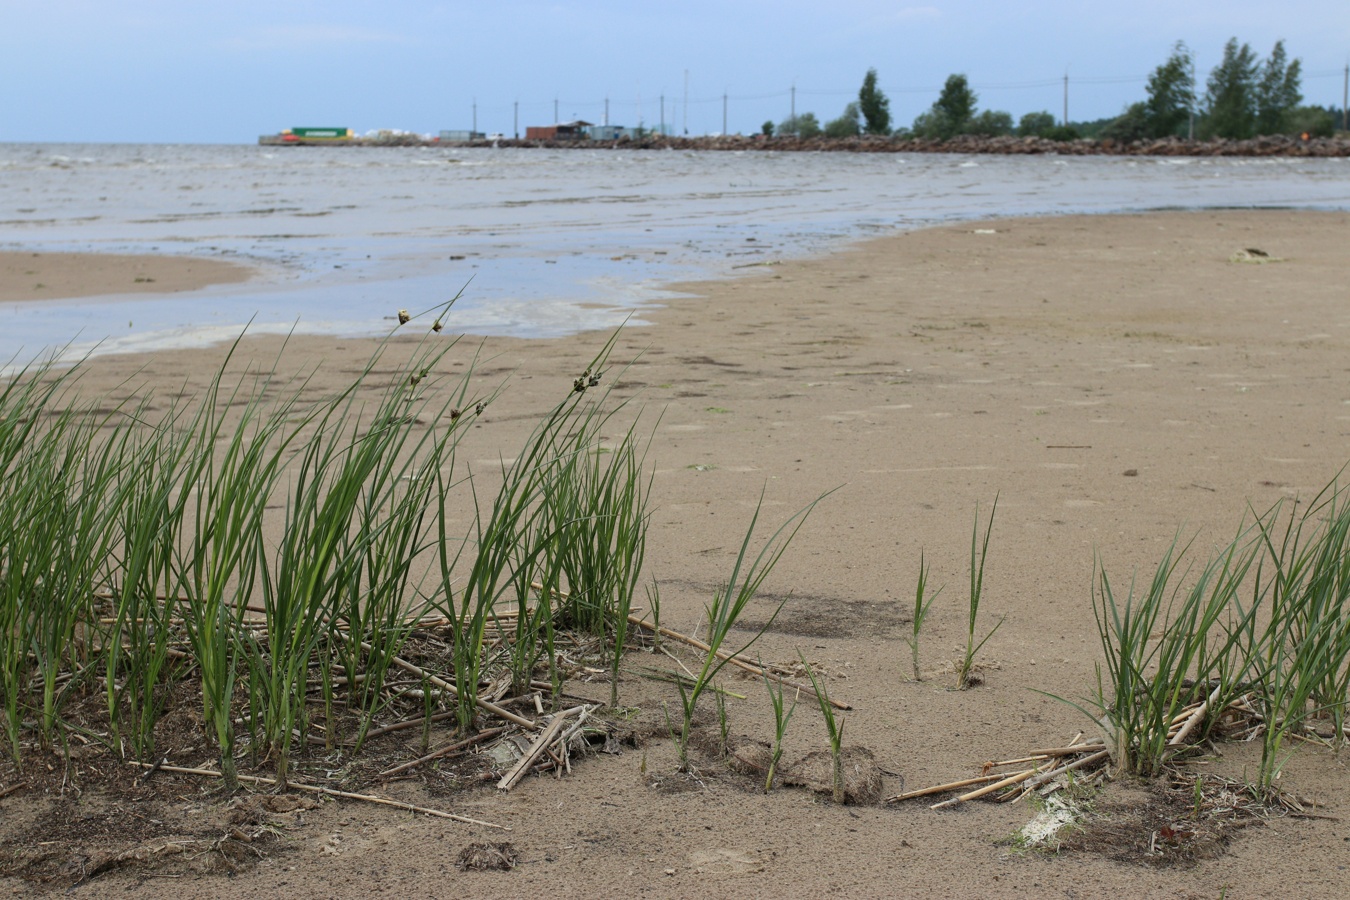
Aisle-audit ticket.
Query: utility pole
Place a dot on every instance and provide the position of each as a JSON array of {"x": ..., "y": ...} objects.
[
  {"x": 662, "y": 123},
  {"x": 1345, "y": 101},
  {"x": 606, "y": 110},
  {"x": 555, "y": 110},
  {"x": 475, "y": 114},
  {"x": 686, "y": 102},
  {"x": 1190, "y": 111},
  {"x": 724, "y": 114},
  {"x": 1066, "y": 99},
  {"x": 515, "y": 118},
  {"x": 792, "y": 110}
]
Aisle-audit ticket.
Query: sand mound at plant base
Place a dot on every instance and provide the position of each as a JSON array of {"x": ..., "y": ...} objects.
[
  {"x": 862, "y": 777},
  {"x": 749, "y": 756}
]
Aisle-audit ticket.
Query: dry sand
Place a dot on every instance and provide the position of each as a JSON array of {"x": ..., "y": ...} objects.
[
  {"x": 1110, "y": 380},
  {"x": 45, "y": 276}
]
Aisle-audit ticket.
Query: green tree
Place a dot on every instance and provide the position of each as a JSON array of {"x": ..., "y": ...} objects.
[
  {"x": 1230, "y": 96},
  {"x": 950, "y": 113},
  {"x": 1312, "y": 121},
  {"x": 990, "y": 123},
  {"x": 803, "y": 126},
  {"x": 874, "y": 105},
  {"x": 932, "y": 124},
  {"x": 957, "y": 102},
  {"x": 1129, "y": 127},
  {"x": 1171, "y": 94},
  {"x": 767, "y": 128},
  {"x": 1035, "y": 124},
  {"x": 847, "y": 125},
  {"x": 1277, "y": 91}
]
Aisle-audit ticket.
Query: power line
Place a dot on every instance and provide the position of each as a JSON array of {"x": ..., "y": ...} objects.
[{"x": 727, "y": 99}]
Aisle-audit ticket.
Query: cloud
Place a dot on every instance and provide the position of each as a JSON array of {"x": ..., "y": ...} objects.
[{"x": 278, "y": 37}]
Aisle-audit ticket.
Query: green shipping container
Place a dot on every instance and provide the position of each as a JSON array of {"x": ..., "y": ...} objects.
[{"x": 321, "y": 132}]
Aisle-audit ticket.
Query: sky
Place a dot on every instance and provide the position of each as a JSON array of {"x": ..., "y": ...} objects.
[{"x": 171, "y": 71}]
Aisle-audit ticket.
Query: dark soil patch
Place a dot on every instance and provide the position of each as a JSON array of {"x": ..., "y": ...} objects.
[
  {"x": 828, "y": 617},
  {"x": 1168, "y": 822}
]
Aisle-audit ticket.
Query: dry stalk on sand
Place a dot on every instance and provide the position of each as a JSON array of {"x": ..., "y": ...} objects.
[
  {"x": 331, "y": 792},
  {"x": 1046, "y": 770}
]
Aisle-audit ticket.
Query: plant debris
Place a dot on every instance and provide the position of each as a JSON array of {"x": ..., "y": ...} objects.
[{"x": 487, "y": 857}]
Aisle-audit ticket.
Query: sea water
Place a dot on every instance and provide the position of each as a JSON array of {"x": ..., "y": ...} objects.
[{"x": 534, "y": 242}]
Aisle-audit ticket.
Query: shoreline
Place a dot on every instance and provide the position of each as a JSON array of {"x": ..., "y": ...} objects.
[
  {"x": 1111, "y": 379},
  {"x": 29, "y": 276},
  {"x": 1003, "y": 145}
]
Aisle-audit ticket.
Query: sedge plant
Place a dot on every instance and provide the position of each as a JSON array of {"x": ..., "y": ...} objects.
[
  {"x": 967, "y": 662},
  {"x": 833, "y": 725},
  {"x": 1299, "y": 657},
  {"x": 145, "y": 583},
  {"x": 222, "y": 557},
  {"x": 781, "y": 717},
  {"x": 726, "y": 608},
  {"x": 1164, "y": 646},
  {"x": 923, "y": 602}
]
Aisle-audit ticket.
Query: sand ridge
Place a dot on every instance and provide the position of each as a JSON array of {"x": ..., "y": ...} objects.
[{"x": 29, "y": 276}]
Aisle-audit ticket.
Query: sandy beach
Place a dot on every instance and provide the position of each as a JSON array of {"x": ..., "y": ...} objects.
[{"x": 1112, "y": 381}]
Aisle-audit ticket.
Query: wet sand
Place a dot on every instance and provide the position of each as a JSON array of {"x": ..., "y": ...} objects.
[
  {"x": 26, "y": 276},
  {"x": 1112, "y": 381}
]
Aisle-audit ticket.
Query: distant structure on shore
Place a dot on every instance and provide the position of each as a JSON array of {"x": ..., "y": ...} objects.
[
  {"x": 578, "y": 131},
  {"x": 301, "y": 136}
]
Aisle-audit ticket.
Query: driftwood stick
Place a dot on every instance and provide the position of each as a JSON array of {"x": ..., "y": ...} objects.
[
  {"x": 731, "y": 658},
  {"x": 536, "y": 750},
  {"x": 331, "y": 792},
  {"x": 444, "y": 751},
  {"x": 944, "y": 788}
]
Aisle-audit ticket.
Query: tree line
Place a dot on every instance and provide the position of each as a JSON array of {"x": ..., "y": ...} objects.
[{"x": 1244, "y": 96}]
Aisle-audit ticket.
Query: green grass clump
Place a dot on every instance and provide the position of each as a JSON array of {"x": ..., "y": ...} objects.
[
  {"x": 1163, "y": 646},
  {"x": 128, "y": 535},
  {"x": 1268, "y": 616}
]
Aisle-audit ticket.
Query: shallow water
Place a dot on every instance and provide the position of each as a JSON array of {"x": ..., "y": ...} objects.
[{"x": 544, "y": 242}]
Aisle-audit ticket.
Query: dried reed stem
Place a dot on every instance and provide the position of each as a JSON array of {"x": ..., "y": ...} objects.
[
  {"x": 536, "y": 750},
  {"x": 441, "y": 683},
  {"x": 988, "y": 788},
  {"x": 444, "y": 751},
  {"x": 316, "y": 789},
  {"x": 943, "y": 788}
]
